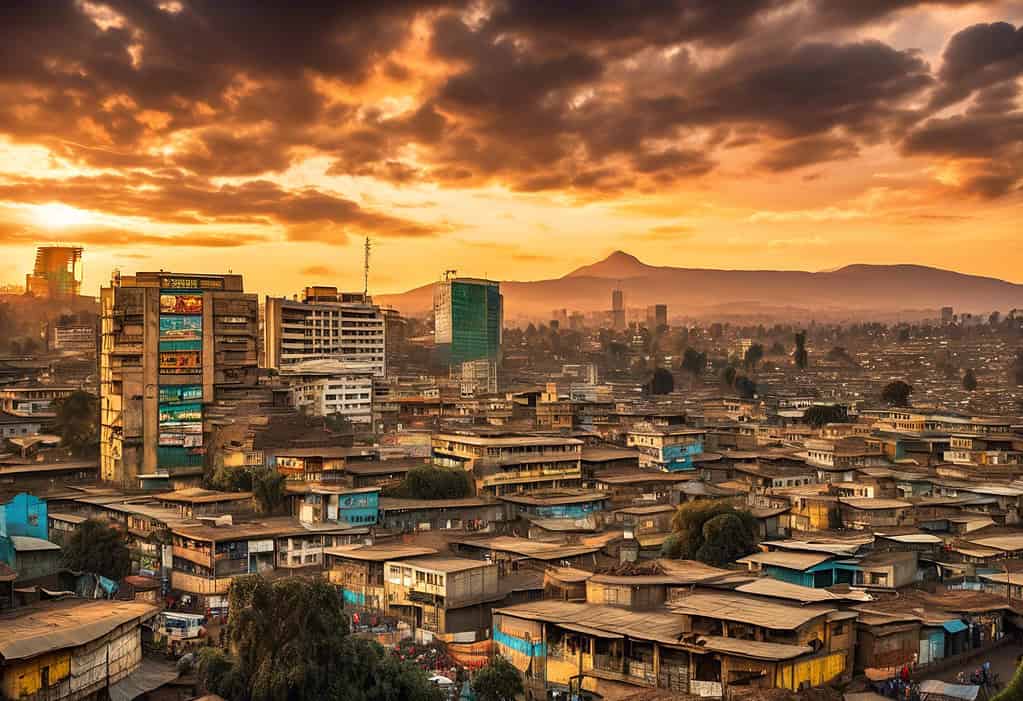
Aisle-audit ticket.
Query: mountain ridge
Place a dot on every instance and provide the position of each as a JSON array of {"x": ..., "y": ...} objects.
[{"x": 861, "y": 289}]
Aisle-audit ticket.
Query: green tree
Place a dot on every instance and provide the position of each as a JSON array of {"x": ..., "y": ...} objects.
[
  {"x": 662, "y": 382},
  {"x": 498, "y": 681},
  {"x": 289, "y": 641},
  {"x": 820, "y": 414},
  {"x": 745, "y": 387},
  {"x": 896, "y": 393},
  {"x": 754, "y": 354},
  {"x": 1013, "y": 691},
  {"x": 77, "y": 422},
  {"x": 728, "y": 377},
  {"x": 268, "y": 488},
  {"x": 969, "y": 380},
  {"x": 698, "y": 533},
  {"x": 726, "y": 537},
  {"x": 98, "y": 548},
  {"x": 799, "y": 355},
  {"x": 433, "y": 482},
  {"x": 694, "y": 362}
]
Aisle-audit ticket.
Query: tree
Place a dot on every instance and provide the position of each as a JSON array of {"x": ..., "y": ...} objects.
[
  {"x": 77, "y": 422},
  {"x": 896, "y": 393},
  {"x": 699, "y": 534},
  {"x": 1016, "y": 372},
  {"x": 498, "y": 681},
  {"x": 694, "y": 362},
  {"x": 661, "y": 382},
  {"x": 1013, "y": 691},
  {"x": 432, "y": 482},
  {"x": 268, "y": 488},
  {"x": 799, "y": 355},
  {"x": 726, "y": 537},
  {"x": 289, "y": 640},
  {"x": 728, "y": 376},
  {"x": 754, "y": 354},
  {"x": 745, "y": 387},
  {"x": 969, "y": 380},
  {"x": 98, "y": 548},
  {"x": 820, "y": 414}
]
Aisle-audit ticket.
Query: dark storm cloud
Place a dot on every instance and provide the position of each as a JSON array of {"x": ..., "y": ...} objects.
[
  {"x": 979, "y": 57},
  {"x": 592, "y": 98},
  {"x": 809, "y": 151}
]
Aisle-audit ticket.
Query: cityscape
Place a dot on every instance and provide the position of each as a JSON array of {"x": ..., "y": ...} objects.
[{"x": 511, "y": 351}]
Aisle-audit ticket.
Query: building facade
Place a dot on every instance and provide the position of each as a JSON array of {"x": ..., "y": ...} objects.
[
  {"x": 170, "y": 344},
  {"x": 325, "y": 323},
  {"x": 468, "y": 320}
]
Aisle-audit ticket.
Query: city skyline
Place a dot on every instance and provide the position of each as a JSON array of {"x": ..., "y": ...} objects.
[{"x": 510, "y": 142}]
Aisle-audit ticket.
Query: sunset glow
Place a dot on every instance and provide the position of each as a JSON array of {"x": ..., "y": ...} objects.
[{"x": 794, "y": 135}]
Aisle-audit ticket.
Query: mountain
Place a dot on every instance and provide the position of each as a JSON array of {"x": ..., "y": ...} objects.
[{"x": 852, "y": 291}]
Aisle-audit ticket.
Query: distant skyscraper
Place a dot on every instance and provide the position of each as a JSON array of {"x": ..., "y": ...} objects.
[
  {"x": 468, "y": 320},
  {"x": 57, "y": 273},
  {"x": 171, "y": 344},
  {"x": 947, "y": 315},
  {"x": 617, "y": 309},
  {"x": 656, "y": 316}
]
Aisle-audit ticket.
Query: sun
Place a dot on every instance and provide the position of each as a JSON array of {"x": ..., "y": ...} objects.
[{"x": 59, "y": 216}]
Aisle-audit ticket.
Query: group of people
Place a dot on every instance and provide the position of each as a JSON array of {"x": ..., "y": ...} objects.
[{"x": 982, "y": 676}]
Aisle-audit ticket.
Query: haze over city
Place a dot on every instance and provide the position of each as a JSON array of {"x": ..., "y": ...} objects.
[
  {"x": 511, "y": 350},
  {"x": 510, "y": 140}
]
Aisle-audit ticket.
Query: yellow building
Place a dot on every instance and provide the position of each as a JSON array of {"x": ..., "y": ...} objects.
[{"x": 41, "y": 644}]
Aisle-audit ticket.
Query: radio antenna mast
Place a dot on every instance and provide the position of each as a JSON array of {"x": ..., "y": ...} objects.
[{"x": 365, "y": 271}]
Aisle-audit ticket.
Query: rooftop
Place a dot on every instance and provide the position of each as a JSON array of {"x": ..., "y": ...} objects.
[
  {"x": 55, "y": 625},
  {"x": 754, "y": 610},
  {"x": 378, "y": 553}
]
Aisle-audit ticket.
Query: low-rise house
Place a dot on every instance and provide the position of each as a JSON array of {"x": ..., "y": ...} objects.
[
  {"x": 196, "y": 502},
  {"x": 667, "y": 448},
  {"x": 556, "y": 504},
  {"x": 510, "y": 553},
  {"x": 413, "y": 515},
  {"x": 443, "y": 596},
  {"x": 358, "y": 572},
  {"x": 32, "y": 558},
  {"x": 70, "y": 649},
  {"x": 870, "y": 514}
]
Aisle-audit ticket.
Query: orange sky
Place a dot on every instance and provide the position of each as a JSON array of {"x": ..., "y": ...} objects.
[{"x": 515, "y": 140}]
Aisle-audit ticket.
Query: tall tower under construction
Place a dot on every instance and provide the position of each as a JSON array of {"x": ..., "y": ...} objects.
[{"x": 57, "y": 273}]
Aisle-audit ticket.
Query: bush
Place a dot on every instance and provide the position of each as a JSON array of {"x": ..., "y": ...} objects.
[{"x": 432, "y": 482}]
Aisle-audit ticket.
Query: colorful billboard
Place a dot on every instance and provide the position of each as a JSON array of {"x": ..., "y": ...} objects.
[
  {"x": 181, "y": 333},
  {"x": 180, "y": 303},
  {"x": 180, "y": 393},
  {"x": 180, "y": 362},
  {"x": 180, "y": 412}
]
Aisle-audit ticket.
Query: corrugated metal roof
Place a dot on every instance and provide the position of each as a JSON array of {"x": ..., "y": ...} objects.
[
  {"x": 27, "y": 544},
  {"x": 747, "y": 609},
  {"x": 56, "y": 625}
]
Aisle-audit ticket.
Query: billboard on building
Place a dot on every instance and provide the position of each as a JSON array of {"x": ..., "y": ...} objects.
[
  {"x": 180, "y": 303},
  {"x": 180, "y": 362},
  {"x": 181, "y": 332}
]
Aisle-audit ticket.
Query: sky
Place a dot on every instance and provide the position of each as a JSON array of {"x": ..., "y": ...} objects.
[{"x": 514, "y": 140}]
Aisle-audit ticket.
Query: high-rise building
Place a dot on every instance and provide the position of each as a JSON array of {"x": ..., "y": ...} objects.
[
  {"x": 170, "y": 345},
  {"x": 617, "y": 310},
  {"x": 656, "y": 316},
  {"x": 468, "y": 320},
  {"x": 325, "y": 323},
  {"x": 947, "y": 315},
  {"x": 57, "y": 273}
]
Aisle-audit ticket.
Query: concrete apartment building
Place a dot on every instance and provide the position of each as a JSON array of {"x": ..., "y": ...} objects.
[
  {"x": 326, "y": 387},
  {"x": 325, "y": 323},
  {"x": 171, "y": 343},
  {"x": 504, "y": 462}
]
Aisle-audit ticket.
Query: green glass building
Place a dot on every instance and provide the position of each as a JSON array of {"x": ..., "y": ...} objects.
[{"x": 468, "y": 320}]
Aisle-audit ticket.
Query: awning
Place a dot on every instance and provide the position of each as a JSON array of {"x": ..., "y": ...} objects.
[
  {"x": 586, "y": 630},
  {"x": 150, "y": 675},
  {"x": 933, "y": 687},
  {"x": 954, "y": 626}
]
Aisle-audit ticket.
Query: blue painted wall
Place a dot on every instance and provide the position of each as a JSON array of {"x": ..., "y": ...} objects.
[
  {"x": 24, "y": 515},
  {"x": 567, "y": 510},
  {"x": 359, "y": 509},
  {"x": 677, "y": 458}
]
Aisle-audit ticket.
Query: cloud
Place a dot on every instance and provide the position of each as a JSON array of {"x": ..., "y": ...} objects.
[
  {"x": 809, "y": 151},
  {"x": 320, "y": 271}
]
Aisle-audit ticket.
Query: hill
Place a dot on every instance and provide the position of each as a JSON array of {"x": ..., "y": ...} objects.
[{"x": 853, "y": 291}]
